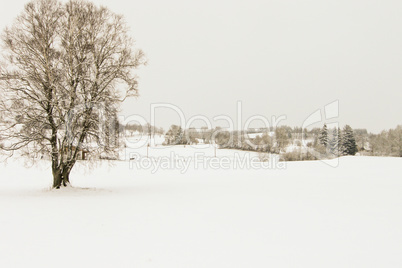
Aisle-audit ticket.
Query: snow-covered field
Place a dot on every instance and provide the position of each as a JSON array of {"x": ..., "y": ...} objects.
[{"x": 302, "y": 214}]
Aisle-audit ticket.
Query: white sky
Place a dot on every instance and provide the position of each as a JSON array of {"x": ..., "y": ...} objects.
[{"x": 277, "y": 57}]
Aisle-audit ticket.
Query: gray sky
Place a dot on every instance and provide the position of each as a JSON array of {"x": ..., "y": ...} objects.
[{"x": 277, "y": 57}]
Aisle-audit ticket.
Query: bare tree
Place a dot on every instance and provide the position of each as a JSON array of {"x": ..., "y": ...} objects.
[{"x": 67, "y": 67}]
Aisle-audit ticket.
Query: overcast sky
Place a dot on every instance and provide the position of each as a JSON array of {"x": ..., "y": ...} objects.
[{"x": 277, "y": 57}]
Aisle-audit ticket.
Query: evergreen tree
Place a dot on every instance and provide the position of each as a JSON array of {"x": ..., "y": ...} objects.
[
  {"x": 333, "y": 144},
  {"x": 323, "y": 137},
  {"x": 341, "y": 146},
  {"x": 349, "y": 142}
]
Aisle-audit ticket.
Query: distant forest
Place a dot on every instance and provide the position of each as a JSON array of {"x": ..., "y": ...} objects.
[{"x": 332, "y": 142}]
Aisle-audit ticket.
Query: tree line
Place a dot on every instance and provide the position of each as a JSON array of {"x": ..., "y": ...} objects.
[
  {"x": 132, "y": 129},
  {"x": 332, "y": 142}
]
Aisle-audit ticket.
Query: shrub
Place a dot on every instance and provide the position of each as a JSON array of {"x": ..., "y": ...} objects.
[{"x": 297, "y": 155}]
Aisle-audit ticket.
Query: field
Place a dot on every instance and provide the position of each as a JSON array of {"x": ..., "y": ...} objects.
[{"x": 121, "y": 214}]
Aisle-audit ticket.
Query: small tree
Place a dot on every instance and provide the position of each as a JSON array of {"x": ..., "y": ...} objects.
[
  {"x": 67, "y": 68},
  {"x": 281, "y": 138},
  {"x": 174, "y": 135},
  {"x": 267, "y": 143},
  {"x": 179, "y": 136}
]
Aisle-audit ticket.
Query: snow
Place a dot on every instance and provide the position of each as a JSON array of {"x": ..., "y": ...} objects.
[
  {"x": 305, "y": 214},
  {"x": 260, "y": 134},
  {"x": 144, "y": 139}
]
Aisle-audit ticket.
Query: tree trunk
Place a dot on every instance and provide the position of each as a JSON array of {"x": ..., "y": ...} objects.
[
  {"x": 61, "y": 177},
  {"x": 57, "y": 179},
  {"x": 66, "y": 176}
]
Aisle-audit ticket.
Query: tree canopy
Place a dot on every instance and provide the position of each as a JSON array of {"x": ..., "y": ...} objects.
[{"x": 66, "y": 67}]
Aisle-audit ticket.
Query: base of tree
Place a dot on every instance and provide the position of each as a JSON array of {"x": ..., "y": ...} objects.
[
  {"x": 75, "y": 190},
  {"x": 63, "y": 185}
]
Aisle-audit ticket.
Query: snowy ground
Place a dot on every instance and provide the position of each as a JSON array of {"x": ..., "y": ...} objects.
[{"x": 304, "y": 214}]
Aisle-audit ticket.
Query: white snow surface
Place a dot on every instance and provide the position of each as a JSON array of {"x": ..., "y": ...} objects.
[{"x": 308, "y": 214}]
